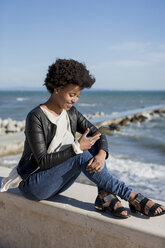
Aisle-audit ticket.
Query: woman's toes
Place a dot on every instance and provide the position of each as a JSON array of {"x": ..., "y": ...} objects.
[
  {"x": 162, "y": 209},
  {"x": 159, "y": 210},
  {"x": 125, "y": 213}
]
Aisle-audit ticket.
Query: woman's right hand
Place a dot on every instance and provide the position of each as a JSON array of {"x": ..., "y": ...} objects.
[{"x": 85, "y": 142}]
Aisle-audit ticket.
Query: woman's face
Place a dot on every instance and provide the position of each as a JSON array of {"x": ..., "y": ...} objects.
[{"x": 64, "y": 98}]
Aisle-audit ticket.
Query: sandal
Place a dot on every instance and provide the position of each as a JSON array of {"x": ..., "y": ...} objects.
[
  {"x": 139, "y": 203},
  {"x": 113, "y": 200}
]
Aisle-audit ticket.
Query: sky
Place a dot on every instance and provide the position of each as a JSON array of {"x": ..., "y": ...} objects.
[{"x": 122, "y": 42}]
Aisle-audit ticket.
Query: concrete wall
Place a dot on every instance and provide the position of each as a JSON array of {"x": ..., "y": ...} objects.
[{"x": 69, "y": 220}]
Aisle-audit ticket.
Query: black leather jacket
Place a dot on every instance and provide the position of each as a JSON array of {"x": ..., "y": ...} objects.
[{"x": 39, "y": 132}]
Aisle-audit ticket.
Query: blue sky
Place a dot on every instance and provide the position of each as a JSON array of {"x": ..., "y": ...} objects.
[{"x": 122, "y": 42}]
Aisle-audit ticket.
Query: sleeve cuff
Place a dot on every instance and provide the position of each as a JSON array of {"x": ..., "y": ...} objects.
[{"x": 76, "y": 147}]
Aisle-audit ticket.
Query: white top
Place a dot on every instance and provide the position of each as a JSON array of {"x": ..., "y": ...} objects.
[{"x": 63, "y": 135}]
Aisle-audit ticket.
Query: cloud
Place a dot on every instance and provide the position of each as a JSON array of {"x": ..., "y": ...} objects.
[
  {"x": 120, "y": 63},
  {"x": 131, "y": 46},
  {"x": 131, "y": 63},
  {"x": 137, "y": 54},
  {"x": 156, "y": 57},
  {"x": 139, "y": 65},
  {"x": 141, "y": 57}
]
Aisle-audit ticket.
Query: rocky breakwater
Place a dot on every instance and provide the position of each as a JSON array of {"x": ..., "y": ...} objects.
[
  {"x": 11, "y": 126},
  {"x": 11, "y": 136},
  {"x": 12, "y": 132},
  {"x": 95, "y": 115},
  {"x": 107, "y": 127}
]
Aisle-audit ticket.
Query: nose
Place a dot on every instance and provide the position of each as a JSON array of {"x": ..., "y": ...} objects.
[{"x": 74, "y": 99}]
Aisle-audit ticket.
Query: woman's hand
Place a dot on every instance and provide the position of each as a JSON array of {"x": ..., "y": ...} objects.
[
  {"x": 96, "y": 164},
  {"x": 85, "y": 142}
]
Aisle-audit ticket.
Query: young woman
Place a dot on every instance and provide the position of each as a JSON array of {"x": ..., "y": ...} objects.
[{"x": 53, "y": 158}]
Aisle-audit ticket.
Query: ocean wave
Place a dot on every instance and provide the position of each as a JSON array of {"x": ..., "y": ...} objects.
[
  {"x": 114, "y": 113},
  {"x": 149, "y": 137},
  {"x": 147, "y": 178},
  {"x": 20, "y": 99},
  {"x": 87, "y": 104}
]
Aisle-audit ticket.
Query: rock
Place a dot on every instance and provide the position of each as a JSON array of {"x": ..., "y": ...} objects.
[
  {"x": 162, "y": 111},
  {"x": 2, "y": 130},
  {"x": 124, "y": 122},
  {"x": 21, "y": 125},
  {"x": 152, "y": 112},
  {"x": 5, "y": 123},
  {"x": 95, "y": 115},
  {"x": 142, "y": 118},
  {"x": 105, "y": 130},
  {"x": 158, "y": 111},
  {"x": 114, "y": 126},
  {"x": 134, "y": 119},
  {"x": 11, "y": 126}
]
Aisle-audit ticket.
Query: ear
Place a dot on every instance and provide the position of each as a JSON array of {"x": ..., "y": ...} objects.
[{"x": 56, "y": 90}]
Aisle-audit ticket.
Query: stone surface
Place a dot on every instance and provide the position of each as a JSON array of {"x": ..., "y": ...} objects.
[{"x": 69, "y": 220}]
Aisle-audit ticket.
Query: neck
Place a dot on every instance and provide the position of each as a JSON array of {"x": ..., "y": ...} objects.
[{"x": 52, "y": 106}]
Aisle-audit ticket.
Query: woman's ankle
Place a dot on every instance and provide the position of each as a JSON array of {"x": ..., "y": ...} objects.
[
  {"x": 132, "y": 197},
  {"x": 102, "y": 194}
]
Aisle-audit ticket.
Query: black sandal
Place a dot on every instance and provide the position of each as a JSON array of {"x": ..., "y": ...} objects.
[
  {"x": 113, "y": 200},
  {"x": 139, "y": 203}
]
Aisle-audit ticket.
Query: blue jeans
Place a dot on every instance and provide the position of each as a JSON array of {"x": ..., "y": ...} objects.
[{"x": 44, "y": 184}]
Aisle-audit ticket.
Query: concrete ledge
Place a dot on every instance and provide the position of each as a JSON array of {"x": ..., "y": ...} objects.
[{"x": 69, "y": 220}]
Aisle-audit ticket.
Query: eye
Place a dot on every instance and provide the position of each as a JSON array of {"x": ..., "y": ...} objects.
[
  {"x": 71, "y": 95},
  {"x": 74, "y": 95}
]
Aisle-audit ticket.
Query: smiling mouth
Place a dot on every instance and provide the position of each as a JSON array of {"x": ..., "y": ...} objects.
[{"x": 69, "y": 105}]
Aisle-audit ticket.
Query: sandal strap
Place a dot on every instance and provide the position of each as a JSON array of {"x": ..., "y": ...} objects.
[
  {"x": 140, "y": 202},
  {"x": 153, "y": 209},
  {"x": 99, "y": 203},
  {"x": 109, "y": 197},
  {"x": 113, "y": 200},
  {"x": 119, "y": 210},
  {"x": 143, "y": 204}
]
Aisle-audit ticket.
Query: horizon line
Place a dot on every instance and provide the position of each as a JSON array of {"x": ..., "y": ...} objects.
[{"x": 17, "y": 88}]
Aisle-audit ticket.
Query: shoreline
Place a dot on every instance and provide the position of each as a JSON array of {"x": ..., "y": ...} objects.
[{"x": 12, "y": 143}]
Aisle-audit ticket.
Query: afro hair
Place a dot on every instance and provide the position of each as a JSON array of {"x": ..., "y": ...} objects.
[{"x": 68, "y": 71}]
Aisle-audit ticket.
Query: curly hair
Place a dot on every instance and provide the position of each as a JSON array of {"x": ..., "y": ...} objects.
[{"x": 68, "y": 71}]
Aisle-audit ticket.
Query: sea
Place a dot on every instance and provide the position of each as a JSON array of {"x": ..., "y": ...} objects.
[{"x": 136, "y": 152}]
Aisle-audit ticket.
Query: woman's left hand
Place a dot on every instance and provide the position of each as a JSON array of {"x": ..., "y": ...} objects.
[{"x": 96, "y": 164}]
